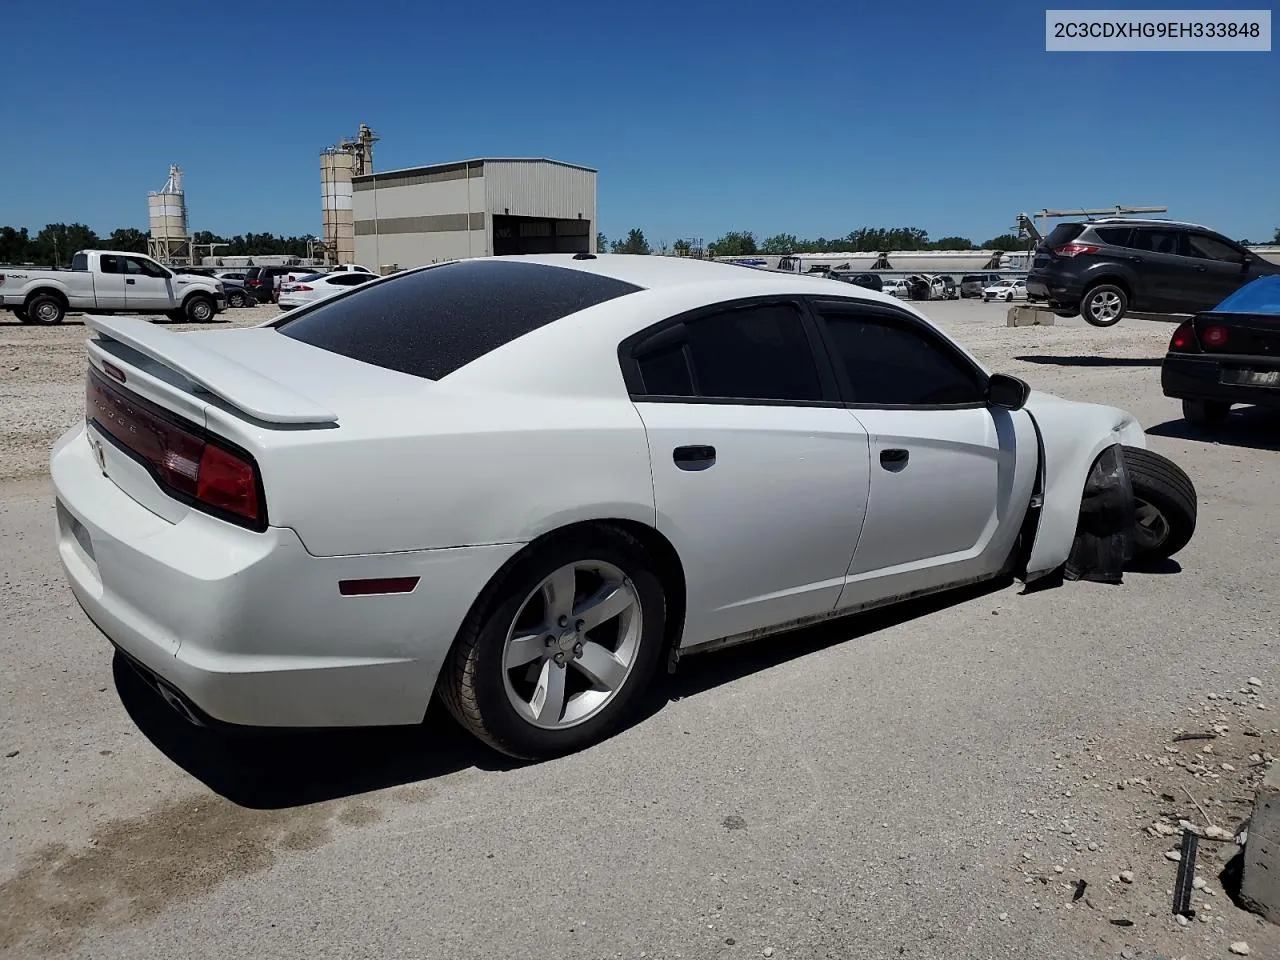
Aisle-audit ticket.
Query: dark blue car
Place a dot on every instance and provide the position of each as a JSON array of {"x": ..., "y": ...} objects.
[{"x": 1227, "y": 355}]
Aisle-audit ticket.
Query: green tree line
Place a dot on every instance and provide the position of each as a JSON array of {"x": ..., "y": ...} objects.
[
  {"x": 743, "y": 243},
  {"x": 55, "y": 244}
]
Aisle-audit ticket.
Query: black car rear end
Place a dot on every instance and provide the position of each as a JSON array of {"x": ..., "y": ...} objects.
[{"x": 1228, "y": 355}]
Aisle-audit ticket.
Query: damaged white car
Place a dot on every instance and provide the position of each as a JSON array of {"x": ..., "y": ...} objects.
[{"x": 527, "y": 484}]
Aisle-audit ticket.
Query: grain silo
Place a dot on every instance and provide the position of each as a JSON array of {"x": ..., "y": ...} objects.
[
  {"x": 338, "y": 164},
  {"x": 170, "y": 240}
]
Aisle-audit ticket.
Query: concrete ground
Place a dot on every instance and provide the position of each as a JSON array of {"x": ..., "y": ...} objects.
[{"x": 930, "y": 782}]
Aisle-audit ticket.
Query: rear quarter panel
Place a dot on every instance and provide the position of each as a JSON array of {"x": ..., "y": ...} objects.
[{"x": 453, "y": 472}]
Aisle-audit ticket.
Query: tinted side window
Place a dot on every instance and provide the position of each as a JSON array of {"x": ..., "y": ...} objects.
[
  {"x": 109, "y": 264},
  {"x": 893, "y": 363},
  {"x": 1156, "y": 241},
  {"x": 760, "y": 353},
  {"x": 1204, "y": 247},
  {"x": 754, "y": 353},
  {"x": 430, "y": 322},
  {"x": 1114, "y": 236}
]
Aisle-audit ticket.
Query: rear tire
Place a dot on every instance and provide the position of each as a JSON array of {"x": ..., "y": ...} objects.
[
  {"x": 199, "y": 309},
  {"x": 1165, "y": 499},
  {"x": 45, "y": 308},
  {"x": 491, "y": 680},
  {"x": 1205, "y": 413},
  {"x": 1104, "y": 305},
  {"x": 21, "y": 315}
]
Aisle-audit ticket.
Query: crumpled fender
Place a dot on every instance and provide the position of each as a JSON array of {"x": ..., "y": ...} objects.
[{"x": 1073, "y": 435}]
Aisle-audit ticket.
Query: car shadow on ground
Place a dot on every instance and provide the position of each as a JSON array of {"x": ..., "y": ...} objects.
[
  {"x": 1090, "y": 361},
  {"x": 268, "y": 770},
  {"x": 1255, "y": 428}
]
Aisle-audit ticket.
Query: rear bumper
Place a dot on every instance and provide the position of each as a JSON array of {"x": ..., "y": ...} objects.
[
  {"x": 249, "y": 628},
  {"x": 1063, "y": 290},
  {"x": 1200, "y": 378}
]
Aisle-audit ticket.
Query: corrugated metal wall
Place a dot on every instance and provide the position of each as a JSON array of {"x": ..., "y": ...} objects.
[{"x": 533, "y": 189}]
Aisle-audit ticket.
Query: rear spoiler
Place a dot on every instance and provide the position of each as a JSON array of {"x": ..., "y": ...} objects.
[{"x": 247, "y": 390}]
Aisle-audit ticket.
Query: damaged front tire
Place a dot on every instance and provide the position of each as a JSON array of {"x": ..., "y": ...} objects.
[{"x": 1164, "y": 505}]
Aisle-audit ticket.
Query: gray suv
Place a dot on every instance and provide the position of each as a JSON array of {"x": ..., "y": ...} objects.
[{"x": 1101, "y": 269}]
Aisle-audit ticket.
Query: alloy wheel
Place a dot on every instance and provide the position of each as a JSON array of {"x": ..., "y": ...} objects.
[{"x": 572, "y": 645}]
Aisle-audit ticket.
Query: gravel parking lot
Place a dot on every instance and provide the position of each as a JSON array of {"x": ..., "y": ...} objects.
[{"x": 936, "y": 781}]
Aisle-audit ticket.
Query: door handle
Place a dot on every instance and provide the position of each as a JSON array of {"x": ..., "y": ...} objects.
[
  {"x": 1136, "y": 259},
  {"x": 128, "y": 280},
  {"x": 894, "y": 459},
  {"x": 694, "y": 458}
]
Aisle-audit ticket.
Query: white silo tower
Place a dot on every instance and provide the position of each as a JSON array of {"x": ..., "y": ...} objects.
[
  {"x": 338, "y": 164},
  {"x": 167, "y": 215}
]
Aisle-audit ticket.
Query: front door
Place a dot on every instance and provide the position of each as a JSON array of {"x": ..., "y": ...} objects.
[
  {"x": 950, "y": 476},
  {"x": 1221, "y": 270},
  {"x": 109, "y": 283},
  {"x": 760, "y": 475},
  {"x": 149, "y": 287}
]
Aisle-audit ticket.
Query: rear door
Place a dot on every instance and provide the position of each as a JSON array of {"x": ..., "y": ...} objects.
[
  {"x": 760, "y": 475},
  {"x": 950, "y": 477},
  {"x": 109, "y": 283},
  {"x": 1166, "y": 280}
]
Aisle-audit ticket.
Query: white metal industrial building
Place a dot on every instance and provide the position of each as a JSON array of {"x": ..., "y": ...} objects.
[{"x": 473, "y": 208}]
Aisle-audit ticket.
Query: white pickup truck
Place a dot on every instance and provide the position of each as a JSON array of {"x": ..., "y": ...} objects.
[{"x": 109, "y": 281}]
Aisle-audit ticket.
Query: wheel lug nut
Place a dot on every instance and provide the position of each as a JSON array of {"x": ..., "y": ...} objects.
[
  {"x": 580, "y": 624},
  {"x": 577, "y": 649},
  {"x": 551, "y": 641},
  {"x": 560, "y": 659},
  {"x": 564, "y": 621}
]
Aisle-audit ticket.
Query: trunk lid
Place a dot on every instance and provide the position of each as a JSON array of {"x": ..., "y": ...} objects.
[{"x": 149, "y": 391}]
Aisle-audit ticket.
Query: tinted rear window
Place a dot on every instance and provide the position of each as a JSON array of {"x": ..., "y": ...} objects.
[
  {"x": 1115, "y": 236},
  {"x": 431, "y": 322},
  {"x": 1063, "y": 233}
]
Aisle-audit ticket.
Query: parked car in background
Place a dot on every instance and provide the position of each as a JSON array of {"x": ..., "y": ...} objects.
[
  {"x": 1227, "y": 355},
  {"x": 972, "y": 284},
  {"x": 319, "y": 286},
  {"x": 265, "y": 281},
  {"x": 349, "y": 268},
  {"x": 1102, "y": 269},
  {"x": 869, "y": 281},
  {"x": 943, "y": 287},
  {"x": 897, "y": 288},
  {"x": 238, "y": 294},
  {"x": 1006, "y": 290},
  {"x": 109, "y": 281},
  {"x": 316, "y": 534}
]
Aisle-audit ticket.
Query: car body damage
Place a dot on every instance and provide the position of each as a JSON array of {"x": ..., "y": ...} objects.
[{"x": 1073, "y": 436}]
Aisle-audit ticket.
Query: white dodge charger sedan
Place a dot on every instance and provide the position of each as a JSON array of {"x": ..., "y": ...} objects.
[{"x": 527, "y": 484}]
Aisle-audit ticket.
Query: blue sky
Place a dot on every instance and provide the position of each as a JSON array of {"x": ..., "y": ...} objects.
[{"x": 811, "y": 118}]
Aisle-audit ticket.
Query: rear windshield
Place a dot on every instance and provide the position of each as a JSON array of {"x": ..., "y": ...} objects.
[
  {"x": 431, "y": 322},
  {"x": 1063, "y": 233}
]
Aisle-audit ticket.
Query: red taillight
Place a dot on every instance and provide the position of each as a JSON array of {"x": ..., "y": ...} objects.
[
  {"x": 1215, "y": 336},
  {"x": 1074, "y": 249},
  {"x": 1184, "y": 338},
  {"x": 227, "y": 482},
  {"x": 254, "y": 283},
  {"x": 300, "y": 288},
  {"x": 180, "y": 459}
]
